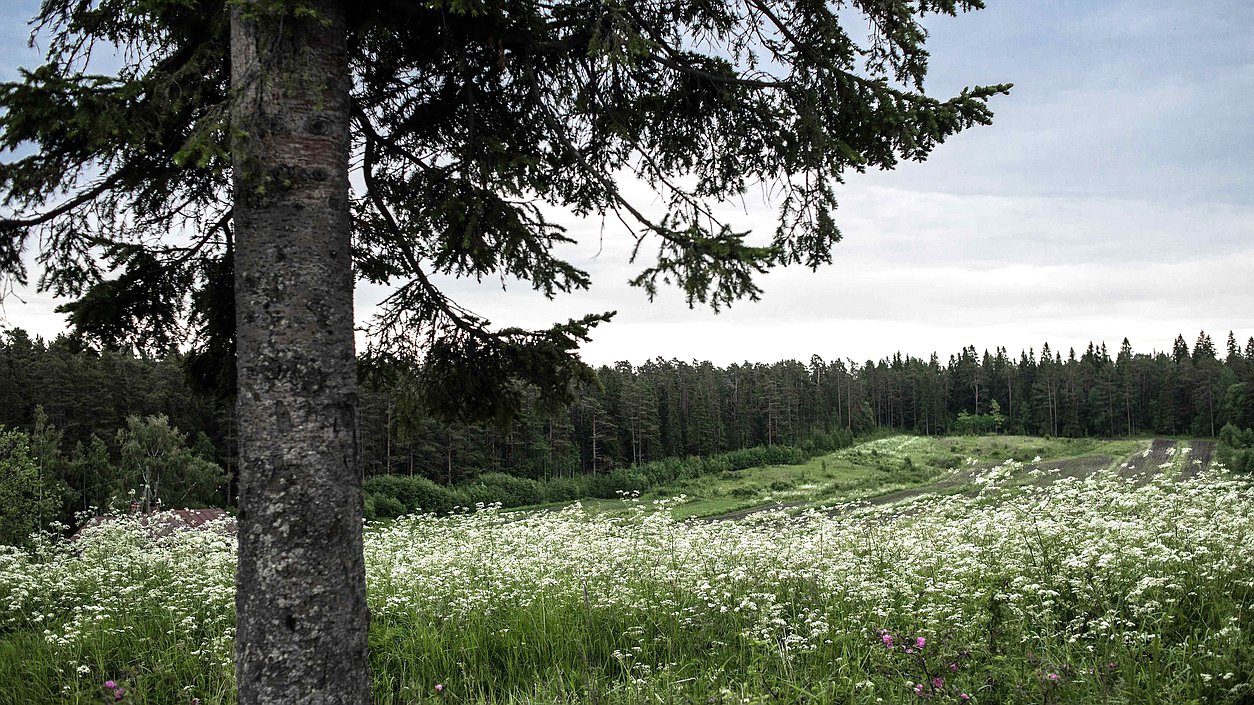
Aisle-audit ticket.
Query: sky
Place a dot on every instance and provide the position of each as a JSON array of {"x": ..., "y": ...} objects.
[{"x": 1112, "y": 197}]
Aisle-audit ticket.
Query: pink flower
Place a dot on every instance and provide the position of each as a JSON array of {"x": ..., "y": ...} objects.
[
  {"x": 909, "y": 650},
  {"x": 938, "y": 682},
  {"x": 118, "y": 693},
  {"x": 920, "y": 642},
  {"x": 439, "y": 687},
  {"x": 918, "y": 689},
  {"x": 887, "y": 639},
  {"x": 1053, "y": 677},
  {"x": 964, "y": 697},
  {"x": 110, "y": 685},
  {"x": 953, "y": 667}
]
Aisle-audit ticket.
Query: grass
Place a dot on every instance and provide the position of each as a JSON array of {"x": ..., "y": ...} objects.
[
  {"x": 864, "y": 471},
  {"x": 1081, "y": 590}
]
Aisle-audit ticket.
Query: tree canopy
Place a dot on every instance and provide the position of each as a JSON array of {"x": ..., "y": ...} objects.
[{"x": 470, "y": 118}]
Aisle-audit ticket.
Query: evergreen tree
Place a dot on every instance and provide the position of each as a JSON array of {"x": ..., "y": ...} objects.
[
  {"x": 561, "y": 452},
  {"x": 1204, "y": 379},
  {"x": 598, "y": 431},
  {"x": 1126, "y": 381},
  {"x": 1045, "y": 394},
  {"x": 708, "y": 430},
  {"x": 1179, "y": 350},
  {"x": 1165, "y": 408},
  {"x": 464, "y": 116}
]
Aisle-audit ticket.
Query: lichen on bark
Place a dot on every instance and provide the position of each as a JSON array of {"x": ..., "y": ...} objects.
[{"x": 301, "y": 611}]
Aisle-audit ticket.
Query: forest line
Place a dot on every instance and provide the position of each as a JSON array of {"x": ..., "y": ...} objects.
[{"x": 637, "y": 413}]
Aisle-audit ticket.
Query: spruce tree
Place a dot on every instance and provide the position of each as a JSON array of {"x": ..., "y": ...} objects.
[{"x": 203, "y": 189}]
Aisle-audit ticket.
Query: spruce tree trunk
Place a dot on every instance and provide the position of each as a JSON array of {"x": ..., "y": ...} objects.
[{"x": 300, "y": 585}]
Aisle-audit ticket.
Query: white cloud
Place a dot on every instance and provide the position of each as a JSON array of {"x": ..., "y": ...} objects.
[{"x": 920, "y": 272}]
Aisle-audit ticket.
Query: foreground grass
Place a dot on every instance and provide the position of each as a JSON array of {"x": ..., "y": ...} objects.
[{"x": 1079, "y": 591}]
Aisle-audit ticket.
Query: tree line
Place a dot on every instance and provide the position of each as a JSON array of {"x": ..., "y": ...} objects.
[
  {"x": 667, "y": 408},
  {"x": 633, "y": 414}
]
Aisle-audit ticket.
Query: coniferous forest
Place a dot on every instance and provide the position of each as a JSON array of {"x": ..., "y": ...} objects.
[{"x": 84, "y": 407}]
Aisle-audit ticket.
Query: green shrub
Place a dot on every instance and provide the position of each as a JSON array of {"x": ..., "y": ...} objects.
[
  {"x": 1236, "y": 449},
  {"x": 741, "y": 459},
  {"x": 386, "y": 507},
  {"x": 1233, "y": 437},
  {"x": 715, "y": 464},
  {"x": 614, "y": 484},
  {"x": 413, "y": 493},
  {"x": 562, "y": 489},
  {"x": 509, "y": 491},
  {"x": 393, "y": 486},
  {"x": 764, "y": 455}
]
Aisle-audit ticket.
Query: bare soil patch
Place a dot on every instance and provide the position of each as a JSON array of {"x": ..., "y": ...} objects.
[
  {"x": 1075, "y": 468},
  {"x": 1145, "y": 466},
  {"x": 1199, "y": 458}
]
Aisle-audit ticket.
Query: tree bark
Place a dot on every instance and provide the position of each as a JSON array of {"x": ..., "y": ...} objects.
[{"x": 300, "y": 586}]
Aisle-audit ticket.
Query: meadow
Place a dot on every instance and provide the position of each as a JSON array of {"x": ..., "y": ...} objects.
[
  {"x": 875, "y": 468},
  {"x": 999, "y": 571}
]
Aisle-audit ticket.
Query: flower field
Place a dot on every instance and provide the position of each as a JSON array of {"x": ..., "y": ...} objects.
[{"x": 1083, "y": 590}]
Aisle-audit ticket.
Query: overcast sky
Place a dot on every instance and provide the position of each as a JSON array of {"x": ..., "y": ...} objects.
[{"x": 1112, "y": 197}]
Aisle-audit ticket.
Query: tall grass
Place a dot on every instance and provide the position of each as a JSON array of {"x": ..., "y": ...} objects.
[{"x": 1079, "y": 591}]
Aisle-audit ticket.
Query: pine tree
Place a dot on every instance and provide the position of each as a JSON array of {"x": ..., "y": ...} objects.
[
  {"x": 1205, "y": 376},
  {"x": 1046, "y": 393},
  {"x": 1179, "y": 350},
  {"x": 1126, "y": 382},
  {"x": 708, "y": 427},
  {"x": 638, "y": 415}
]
